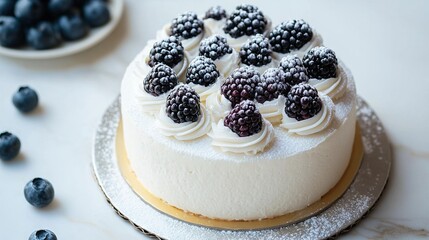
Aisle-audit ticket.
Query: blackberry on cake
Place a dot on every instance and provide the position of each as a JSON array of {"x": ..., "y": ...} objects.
[
  {"x": 271, "y": 86},
  {"x": 245, "y": 20},
  {"x": 168, "y": 51},
  {"x": 256, "y": 52},
  {"x": 183, "y": 104},
  {"x": 294, "y": 70},
  {"x": 187, "y": 25},
  {"x": 290, "y": 35},
  {"x": 302, "y": 102},
  {"x": 214, "y": 47},
  {"x": 240, "y": 85},
  {"x": 202, "y": 71},
  {"x": 321, "y": 63},
  {"x": 160, "y": 80},
  {"x": 244, "y": 119},
  {"x": 216, "y": 13}
]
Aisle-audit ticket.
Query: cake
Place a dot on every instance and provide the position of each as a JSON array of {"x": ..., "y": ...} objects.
[{"x": 227, "y": 117}]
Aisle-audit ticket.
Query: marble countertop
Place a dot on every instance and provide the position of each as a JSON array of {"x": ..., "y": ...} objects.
[{"x": 384, "y": 43}]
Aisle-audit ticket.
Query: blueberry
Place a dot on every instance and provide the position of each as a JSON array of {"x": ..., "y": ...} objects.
[
  {"x": 29, "y": 12},
  {"x": 43, "y": 234},
  {"x": 72, "y": 26},
  {"x": 39, "y": 192},
  {"x": 25, "y": 99},
  {"x": 96, "y": 13},
  {"x": 7, "y": 7},
  {"x": 43, "y": 36},
  {"x": 59, "y": 7},
  {"x": 11, "y": 32},
  {"x": 9, "y": 146}
]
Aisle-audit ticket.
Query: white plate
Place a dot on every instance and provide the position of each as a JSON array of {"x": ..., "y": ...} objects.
[{"x": 67, "y": 48}]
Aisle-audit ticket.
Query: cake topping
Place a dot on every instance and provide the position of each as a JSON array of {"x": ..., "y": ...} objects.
[
  {"x": 240, "y": 85},
  {"x": 214, "y": 47},
  {"x": 294, "y": 70},
  {"x": 168, "y": 51},
  {"x": 321, "y": 63},
  {"x": 290, "y": 35},
  {"x": 159, "y": 80},
  {"x": 244, "y": 119},
  {"x": 245, "y": 20},
  {"x": 302, "y": 102},
  {"x": 187, "y": 25},
  {"x": 183, "y": 104},
  {"x": 202, "y": 71},
  {"x": 271, "y": 86},
  {"x": 256, "y": 52},
  {"x": 216, "y": 13}
]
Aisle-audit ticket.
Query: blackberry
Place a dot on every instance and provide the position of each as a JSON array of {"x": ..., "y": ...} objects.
[
  {"x": 187, "y": 25},
  {"x": 202, "y": 71},
  {"x": 168, "y": 51},
  {"x": 271, "y": 86},
  {"x": 321, "y": 63},
  {"x": 294, "y": 70},
  {"x": 256, "y": 52},
  {"x": 159, "y": 80},
  {"x": 244, "y": 119},
  {"x": 245, "y": 20},
  {"x": 290, "y": 35},
  {"x": 216, "y": 13},
  {"x": 303, "y": 102},
  {"x": 240, "y": 85},
  {"x": 183, "y": 104},
  {"x": 214, "y": 47}
]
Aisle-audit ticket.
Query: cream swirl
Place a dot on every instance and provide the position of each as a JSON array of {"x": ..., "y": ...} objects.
[
  {"x": 183, "y": 131},
  {"x": 262, "y": 69},
  {"x": 149, "y": 103},
  {"x": 204, "y": 91},
  {"x": 214, "y": 26},
  {"x": 218, "y": 106},
  {"x": 315, "y": 41},
  {"x": 227, "y": 63},
  {"x": 314, "y": 124},
  {"x": 227, "y": 141},
  {"x": 191, "y": 45},
  {"x": 272, "y": 110},
  {"x": 333, "y": 87}
]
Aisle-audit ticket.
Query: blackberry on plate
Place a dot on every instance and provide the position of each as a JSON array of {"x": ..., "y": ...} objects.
[
  {"x": 244, "y": 119},
  {"x": 42, "y": 234},
  {"x": 271, "y": 86},
  {"x": 96, "y": 13},
  {"x": 9, "y": 146},
  {"x": 240, "y": 85},
  {"x": 214, "y": 47},
  {"x": 44, "y": 35},
  {"x": 290, "y": 35},
  {"x": 29, "y": 12},
  {"x": 303, "y": 102},
  {"x": 245, "y": 20},
  {"x": 168, "y": 51},
  {"x": 294, "y": 70},
  {"x": 159, "y": 80},
  {"x": 72, "y": 26},
  {"x": 216, "y": 13},
  {"x": 202, "y": 71},
  {"x": 256, "y": 52},
  {"x": 321, "y": 63},
  {"x": 187, "y": 25},
  {"x": 183, "y": 104}
]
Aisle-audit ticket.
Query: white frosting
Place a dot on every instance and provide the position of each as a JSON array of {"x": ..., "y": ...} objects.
[
  {"x": 215, "y": 26},
  {"x": 149, "y": 103},
  {"x": 272, "y": 110},
  {"x": 333, "y": 87},
  {"x": 227, "y": 63},
  {"x": 191, "y": 45},
  {"x": 218, "y": 106},
  {"x": 315, "y": 124},
  {"x": 183, "y": 131},
  {"x": 262, "y": 69},
  {"x": 204, "y": 91},
  {"x": 227, "y": 141},
  {"x": 315, "y": 41}
]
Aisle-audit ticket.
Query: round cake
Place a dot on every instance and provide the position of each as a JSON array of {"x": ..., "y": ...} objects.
[{"x": 231, "y": 117}]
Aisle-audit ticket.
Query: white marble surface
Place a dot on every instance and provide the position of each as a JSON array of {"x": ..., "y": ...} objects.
[{"x": 383, "y": 42}]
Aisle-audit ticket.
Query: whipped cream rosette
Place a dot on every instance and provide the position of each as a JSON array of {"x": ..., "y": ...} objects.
[{"x": 214, "y": 20}]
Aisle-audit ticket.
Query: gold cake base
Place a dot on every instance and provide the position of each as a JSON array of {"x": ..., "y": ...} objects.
[{"x": 329, "y": 198}]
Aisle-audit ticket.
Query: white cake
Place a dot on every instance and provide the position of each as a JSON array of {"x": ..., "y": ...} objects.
[{"x": 206, "y": 169}]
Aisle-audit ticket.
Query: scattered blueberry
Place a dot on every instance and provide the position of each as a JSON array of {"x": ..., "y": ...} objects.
[
  {"x": 11, "y": 32},
  {"x": 29, "y": 12},
  {"x": 72, "y": 26},
  {"x": 25, "y": 99},
  {"x": 43, "y": 234},
  {"x": 43, "y": 36},
  {"x": 59, "y": 7},
  {"x": 96, "y": 13},
  {"x": 9, "y": 146},
  {"x": 7, "y": 7},
  {"x": 39, "y": 192}
]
